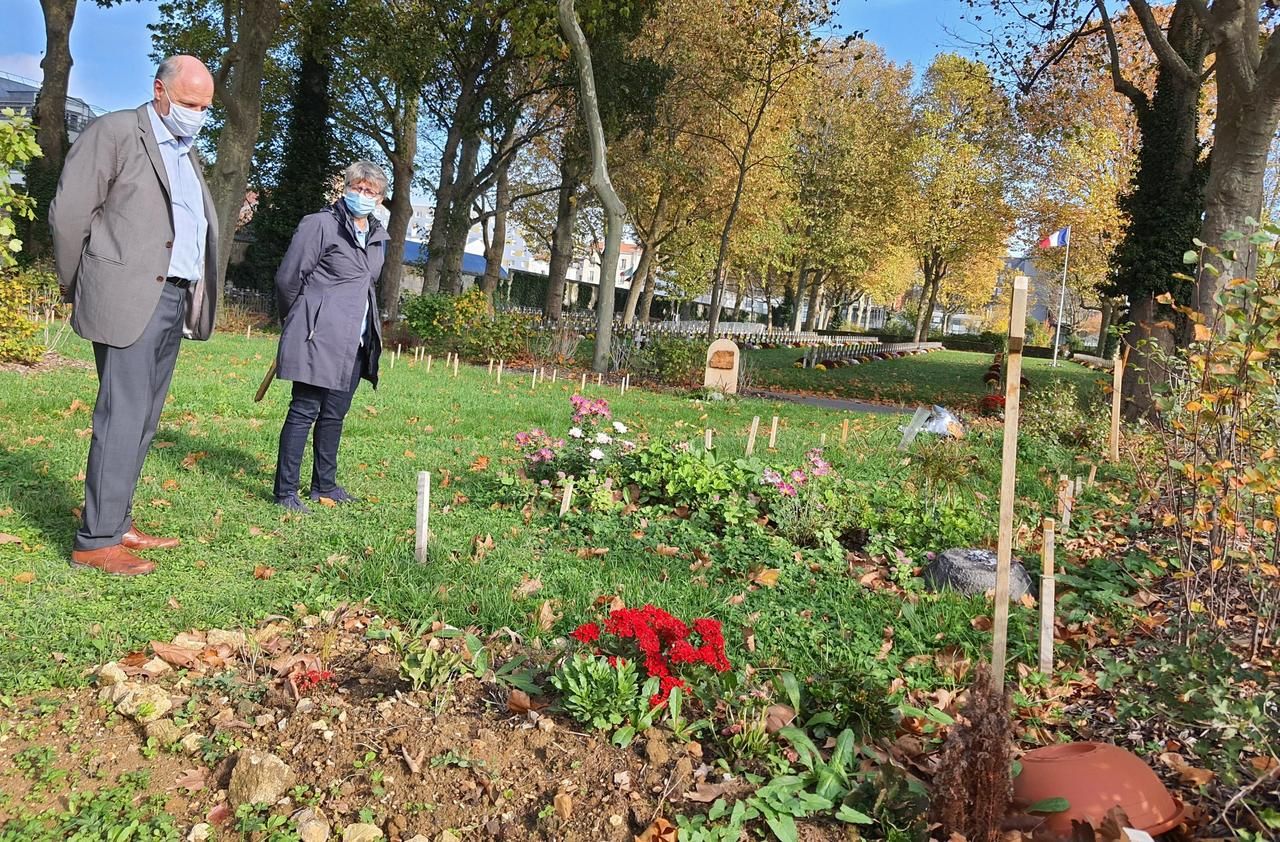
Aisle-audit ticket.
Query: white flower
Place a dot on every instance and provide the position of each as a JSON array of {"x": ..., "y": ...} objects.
[
  {"x": 603, "y": 438},
  {"x": 628, "y": 445},
  {"x": 596, "y": 454},
  {"x": 619, "y": 427},
  {"x": 576, "y": 432}
]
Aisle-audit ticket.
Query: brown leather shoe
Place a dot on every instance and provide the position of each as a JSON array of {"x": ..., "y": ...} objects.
[
  {"x": 136, "y": 539},
  {"x": 115, "y": 560}
]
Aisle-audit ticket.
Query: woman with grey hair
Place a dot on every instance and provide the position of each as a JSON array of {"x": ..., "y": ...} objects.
[{"x": 331, "y": 336}]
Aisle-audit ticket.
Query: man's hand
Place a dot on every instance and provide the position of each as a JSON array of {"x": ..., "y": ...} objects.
[{"x": 68, "y": 296}]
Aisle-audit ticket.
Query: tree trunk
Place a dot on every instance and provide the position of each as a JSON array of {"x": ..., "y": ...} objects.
[
  {"x": 51, "y": 121},
  {"x": 562, "y": 235},
  {"x": 722, "y": 255},
  {"x": 238, "y": 85},
  {"x": 1108, "y": 308},
  {"x": 497, "y": 245},
  {"x": 1146, "y": 342},
  {"x": 796, "y": 315},
  {"x": 402, "y": 171},
  {"x": 650, "y": 288},
  {"x": 1242, "y": 136},
  {"x": 812, "y": 317},
  {"x": 458, "y": 219},
  {"x": 649, "y": 247},
  {"x": 929, "y": 294}
]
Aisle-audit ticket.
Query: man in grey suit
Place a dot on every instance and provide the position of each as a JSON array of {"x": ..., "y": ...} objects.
[{"x": 134, "y": 239}]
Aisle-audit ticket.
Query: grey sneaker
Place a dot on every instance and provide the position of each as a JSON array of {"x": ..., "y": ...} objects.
[
  {"x": 337, "y": 494},
  {"x": 294, "y": 504}
]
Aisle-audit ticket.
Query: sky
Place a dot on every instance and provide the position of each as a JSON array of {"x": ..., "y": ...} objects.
[{"x": 111, "y": 47}]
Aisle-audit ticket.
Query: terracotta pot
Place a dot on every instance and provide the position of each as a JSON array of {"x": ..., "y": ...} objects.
[{"x": 1094, "y": 778}]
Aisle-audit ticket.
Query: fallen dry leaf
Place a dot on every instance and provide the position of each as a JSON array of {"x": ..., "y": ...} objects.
[
  {"x": 564, "y": 806},
  {"x": 664, "y": 550},
  {"x": 263, "y": 572},
  {"x": 527, "y": 588},
  {"x": 660, "y": 831},
  {"x": 177, "y": 656},
  {"x": 328, "y": 502},
  {"x": 1188, "y": 774},
  {"x": 192, "y": 459},
  {"x": 481, "y": 463},
  {"x": 480, "y": 546},
  {"x": 191, "y": 780},
  {"x": 546, "y": 616},
  {"x": 520, "y": 703},
  {"x": 593, "y": 552},
  {"x": 767, "y": 577},
  {"x": 6, "y": 538},
  {"x": 25, "y": 578}
]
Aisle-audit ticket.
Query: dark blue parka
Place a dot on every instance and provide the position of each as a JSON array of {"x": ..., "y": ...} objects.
[{"x": 322, "y": 287}]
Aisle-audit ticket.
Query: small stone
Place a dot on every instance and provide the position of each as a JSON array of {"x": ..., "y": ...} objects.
[
  {"x": 164, "y": 731},
  {"x": 111, "y": 673},
  {"x": 146, "y": 704},
  {"x": 116, "y": 693},
  {"x": 448, "y": 836},
  {"x": 259, "y": 778},
  {"x": 200, "y": 833},
  {"x": 218, "y": 637},
  {"x": 419, "y": 838},
  {"x": 192, "y": 743},
  {"x": 616, "y": 820},
  {"x": 312, "y": 825},
  {"x": 361, "y": 833},
  {"x": 156, "y": 667}
]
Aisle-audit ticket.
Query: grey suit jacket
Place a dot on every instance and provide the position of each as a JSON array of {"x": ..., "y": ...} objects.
[{"x": 113, "y": 231}]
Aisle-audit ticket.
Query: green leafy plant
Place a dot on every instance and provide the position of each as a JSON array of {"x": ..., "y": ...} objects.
[
  {"x": 427, "y": 665},
  {"x": 597, "y": 693}
]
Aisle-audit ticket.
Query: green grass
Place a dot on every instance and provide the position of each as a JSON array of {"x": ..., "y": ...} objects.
[
  {"x": 208, "y": 480},
  {"x": 950, "y": 378}
]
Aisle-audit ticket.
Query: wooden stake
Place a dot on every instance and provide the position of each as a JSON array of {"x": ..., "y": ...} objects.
[
  {"x": 1047, "y": 597},
  {"x": 1062, "y": 497},
  {"x": 773, "y": 433},
  {"x": 706, "y": 438},
  {"x": 248, "y": 331},
  {"x": 533, "y": 380},
  {"x": 1117, "y": 386},
  {"x": 455, "y": 365},
  {"x": 1079, "y": 487},
  {"x": 751, "y": 436},
  {"x": 584, "y": 382},
  {"x": 392, "y": 362},
  {"x": 423, "y": 530},
  {"x": 1008, "y": 476},
  {"x": 1093, "y": 475},
  {"x": 844, "y": 431},
  {"x": 555, "y": 372},
  {"x": 428, "y": 363},
  {"x": 567, "y": 499},
  {"x": 398, "y": 350},
  {"x": 822, "y": 440},
  {"x": 599, "y": 379},
  {"x": 501, "y": 363}
]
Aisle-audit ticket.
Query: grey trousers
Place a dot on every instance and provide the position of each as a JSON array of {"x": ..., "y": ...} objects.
[{"x": 132, "y": 385}]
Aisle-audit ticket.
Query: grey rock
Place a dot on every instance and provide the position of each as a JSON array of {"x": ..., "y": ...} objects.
[
  {"x": 146, "y": 704},
  {"x": 192, "y": 743},
  {"x": 312, "y": 825},
  {"x": 973, "y": 572},
  {"x": 259, "y": 778},
  {"x": 110, "y": 674}
]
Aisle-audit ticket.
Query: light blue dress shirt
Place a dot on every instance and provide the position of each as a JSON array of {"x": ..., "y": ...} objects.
[{"x": 186, "y": 201}]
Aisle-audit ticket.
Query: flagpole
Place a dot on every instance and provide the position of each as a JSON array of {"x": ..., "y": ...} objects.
[{"x": 1062, "y": 299}]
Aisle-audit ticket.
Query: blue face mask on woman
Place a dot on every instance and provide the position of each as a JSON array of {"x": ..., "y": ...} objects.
[{"x": 359, "y": 204}]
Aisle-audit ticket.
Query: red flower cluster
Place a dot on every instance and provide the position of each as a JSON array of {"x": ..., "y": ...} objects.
[
  {"x": 310, "y": 679},
  {"x": 665, "y": 643}
]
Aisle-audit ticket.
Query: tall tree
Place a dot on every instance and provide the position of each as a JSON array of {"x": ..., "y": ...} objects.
[{"x": 959, "y": 211}]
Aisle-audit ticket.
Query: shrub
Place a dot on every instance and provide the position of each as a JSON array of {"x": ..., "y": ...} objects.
[
  {"x": 673, "y": 360},
  {"x": 467, "y": 325},
  {"x": 592, "y": 446},
  {"x": 17, "y": 147}
]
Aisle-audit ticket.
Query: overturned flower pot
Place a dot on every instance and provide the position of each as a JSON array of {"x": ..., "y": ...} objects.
[{"x": 1093, "y": 779}]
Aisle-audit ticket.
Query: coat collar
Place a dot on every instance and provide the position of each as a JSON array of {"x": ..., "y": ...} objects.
[
  {"x": 377, "y": 233},
  {"x": 152, "y": 146}
]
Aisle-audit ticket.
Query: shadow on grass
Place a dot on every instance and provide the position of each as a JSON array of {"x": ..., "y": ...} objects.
[{"x": 42, "y": 498}]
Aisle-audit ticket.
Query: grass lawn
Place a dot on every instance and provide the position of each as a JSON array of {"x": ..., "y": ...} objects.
[
  {"x": 950, "y": 378},
  {"x": 208, "y": 480}
]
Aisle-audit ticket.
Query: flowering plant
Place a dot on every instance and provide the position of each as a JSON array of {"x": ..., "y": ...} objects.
[
  {"x": 809, "y": 501},
  {"x": 591, "y": 445},
  {"x": 665, "y": 647},
  {"x": 991, "y": 404}
]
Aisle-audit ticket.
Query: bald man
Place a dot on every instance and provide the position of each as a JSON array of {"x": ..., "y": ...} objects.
[{"x": 134, "y": 239}]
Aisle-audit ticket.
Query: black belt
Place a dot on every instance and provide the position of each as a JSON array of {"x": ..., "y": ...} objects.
[{"x": 180, "y": 283}]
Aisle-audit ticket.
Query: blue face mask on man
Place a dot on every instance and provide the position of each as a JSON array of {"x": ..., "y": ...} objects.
[{"x": 359, "y": 204}]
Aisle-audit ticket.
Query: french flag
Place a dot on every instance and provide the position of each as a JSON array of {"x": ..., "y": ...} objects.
[{"x": 1057, "y": 239}]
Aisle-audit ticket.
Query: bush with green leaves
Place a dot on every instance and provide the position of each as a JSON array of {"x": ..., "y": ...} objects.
[
  {"x": 673, "y": 360},
  {"x": 1055, "y": 414},
  {"x": 467, "y": 324},
  {"x": 598, "y": 693},
  {"x": 17, "y": 148}
]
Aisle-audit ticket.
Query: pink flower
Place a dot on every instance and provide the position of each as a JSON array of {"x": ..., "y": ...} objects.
[
  {"x": 787, "y": 489},
  {"x": 798, "y": 477}
]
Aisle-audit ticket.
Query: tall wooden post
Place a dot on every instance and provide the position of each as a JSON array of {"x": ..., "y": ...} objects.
[
  {"x": 1008, "y": 478},
  {"x": 1117, "y": 388}
]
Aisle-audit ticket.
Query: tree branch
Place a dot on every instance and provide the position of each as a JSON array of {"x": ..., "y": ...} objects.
[
  {"x": 1122, "y": 85},
  {"x": 1168, "y": 56}
]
